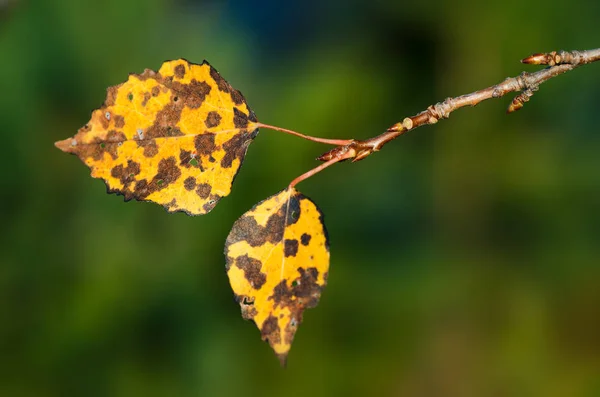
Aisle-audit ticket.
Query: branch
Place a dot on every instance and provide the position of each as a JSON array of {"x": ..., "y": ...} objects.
[{"x": 526, "y": 83}]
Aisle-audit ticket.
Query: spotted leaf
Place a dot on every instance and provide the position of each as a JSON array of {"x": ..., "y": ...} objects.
[
  {"x": 176, "y": 137},
  {"x": 277, "y": 257}
]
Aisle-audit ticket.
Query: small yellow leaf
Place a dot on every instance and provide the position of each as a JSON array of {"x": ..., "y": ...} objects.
[
  {"x": 277, "y": 262},
  {"x": 176, "y": 137}
]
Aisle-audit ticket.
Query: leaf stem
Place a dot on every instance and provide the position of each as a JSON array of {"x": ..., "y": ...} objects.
[
  {"x": 347, "y": 155},
  {"x": 336, "y": 142}
]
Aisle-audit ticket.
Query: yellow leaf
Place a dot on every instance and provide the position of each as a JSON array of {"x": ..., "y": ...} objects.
[
  {"x": 176, "y": 137},
  {"x": 277, "y": 263}
]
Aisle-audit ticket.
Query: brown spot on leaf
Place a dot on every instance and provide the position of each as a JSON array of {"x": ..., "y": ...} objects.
[
  {"x": 246, "y": 304},
  {"x": 305, "y": 238},
  {"x": 188, "y": 159},
  {"x": 224, "y": 86},
  {"x": 126, "y": 174},
  {"x": 247, "y": 229},
  {"x": 306, "y": 289},
  {"x": 290, "y": 247},
  {"x": 184, "y": 158},
  {"x": 228, "y": 262},
  {"x": 240, "y": 119},
  {"x": 111, "y": 95},
  {"x": 270, "y": 330},
  {"x": 168, "y": 172},
  {"x": 211, "y": 203},
  {"x": 119, "y": 121},
  {"x": 179, "y": 71},
  {"x": 248, "y": 312},
  {"x": 96, "y": 150},
  {"x": 237, "y": 97},
  {"x": 191, "y": 95},
  {"x": 213, "y": 119},
  {"x": 150, "y": 147},
  {"x": 115, "y": 136},
  {"x": 171, "y": 204},
  {"x": 189, "y": 183},
  {"x": 203, "y": 190},
  {"x": 102, "y": 119},
  {"x": 290, "y": 330},
  {"x": 147, "y": 97},
  {"x": 322, "y": 221},
  {"x": 293, "y": 212},
  {"x": 205, "y": 143},
  {"x": 236, "y": 147},
  {"x": 148, "y": 74},
  {"x": 174, "y": 131},
  {"x": 251, "y": 268},
  {"x": 140, "y": 190},
  {"x": 221, "y": 83},
  {"x": 165, "y": 122}
]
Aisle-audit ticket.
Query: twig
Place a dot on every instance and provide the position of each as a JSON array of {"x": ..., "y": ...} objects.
[
  {"x": 526, "y": 83},
  {"x": 344, "y": 156}
]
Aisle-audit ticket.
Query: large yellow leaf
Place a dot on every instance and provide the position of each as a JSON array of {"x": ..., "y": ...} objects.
[
  {"x": 176, "y": 137},
  {"x": 277, "y": 262}
]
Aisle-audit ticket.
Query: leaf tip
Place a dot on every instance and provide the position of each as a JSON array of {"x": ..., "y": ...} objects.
[
  {"x": 283, "y": 359},
  {"x": 66, "y": 145}
]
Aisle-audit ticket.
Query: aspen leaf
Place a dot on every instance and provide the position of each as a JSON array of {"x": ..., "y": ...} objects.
[
  {"x": 176, "y": 137},
  {"x": 277, "y": 261}
]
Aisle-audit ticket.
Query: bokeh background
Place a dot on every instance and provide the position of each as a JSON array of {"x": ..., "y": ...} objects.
[{"x": 465, "y": 256}]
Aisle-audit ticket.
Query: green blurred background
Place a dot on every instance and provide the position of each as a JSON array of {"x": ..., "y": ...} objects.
[{"x": 465, "y": 256}]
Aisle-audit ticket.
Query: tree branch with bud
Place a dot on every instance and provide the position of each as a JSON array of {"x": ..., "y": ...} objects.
[{"x": 526, "y": 84}]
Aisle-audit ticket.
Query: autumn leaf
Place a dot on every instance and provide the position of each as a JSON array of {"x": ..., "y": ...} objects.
[
  {"x": 277, "y": 261},
  {"x": 176, "y": 137}
]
